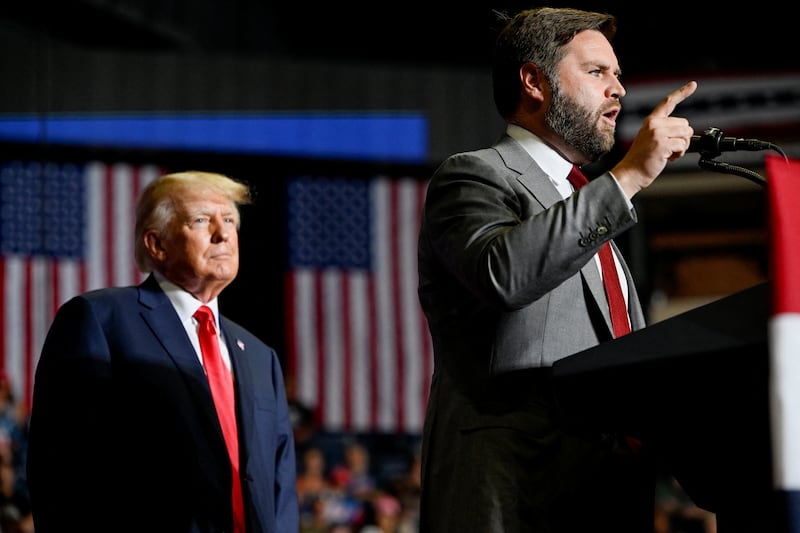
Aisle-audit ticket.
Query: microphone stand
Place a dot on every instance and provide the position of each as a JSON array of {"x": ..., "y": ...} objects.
[
  {"x": 707, "y": 163},
  {"x": 719, "y": 166}
]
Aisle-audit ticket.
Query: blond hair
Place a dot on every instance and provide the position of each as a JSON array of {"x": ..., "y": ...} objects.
[{"x": 156, "y": 209}]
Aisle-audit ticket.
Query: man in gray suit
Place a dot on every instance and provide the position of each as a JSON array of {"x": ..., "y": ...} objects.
[{"x": 509, "y": 283}]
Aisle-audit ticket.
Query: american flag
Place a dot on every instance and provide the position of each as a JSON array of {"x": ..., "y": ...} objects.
[
  {"x": 783, "y": 188},
  {"x": 64, "y": 229},
  {"x": 358, "y": 345}
]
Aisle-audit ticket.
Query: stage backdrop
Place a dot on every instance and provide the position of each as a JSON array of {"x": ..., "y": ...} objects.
[
  {"x": 64, "y": 229},
  {"x": 356, "y": 342}
]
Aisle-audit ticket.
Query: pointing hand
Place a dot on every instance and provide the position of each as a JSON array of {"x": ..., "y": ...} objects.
[{"x": 662, "y": 138}]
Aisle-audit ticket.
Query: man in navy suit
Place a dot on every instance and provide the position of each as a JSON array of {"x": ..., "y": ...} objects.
[{"x": 124, "y": 433}]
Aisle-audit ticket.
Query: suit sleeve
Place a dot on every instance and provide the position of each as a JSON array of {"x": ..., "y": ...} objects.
[
  {"x": 490, "y": 232},
  {"x": 286, "y": 504},
  {"x": 69, "y": 435},
  {"x": 268, "y": 434}
]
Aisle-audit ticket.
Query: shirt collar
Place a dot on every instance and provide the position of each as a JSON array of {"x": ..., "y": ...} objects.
[
  {"x": 184, "y": 303},
  {"x": 551, "y": 162}
]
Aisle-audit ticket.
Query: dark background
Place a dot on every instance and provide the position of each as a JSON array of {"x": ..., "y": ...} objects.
[
  {"x": 655, "y": 38},
  {"x": 655, "y": 41}
]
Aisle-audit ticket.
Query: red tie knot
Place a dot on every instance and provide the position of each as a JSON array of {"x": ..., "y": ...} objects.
[
  {"x": 577, "y": 178},
  {"x": 204, "y": 314}
]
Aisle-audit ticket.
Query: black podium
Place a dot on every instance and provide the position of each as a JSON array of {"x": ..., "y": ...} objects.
[{"x": 695, "y": 389}]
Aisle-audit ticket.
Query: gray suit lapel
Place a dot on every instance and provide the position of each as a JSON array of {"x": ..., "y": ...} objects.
[
  {"x": 534, "y": 179},
  {"x": 591, "y": 273},
  {"x": 531, "y": 176}
]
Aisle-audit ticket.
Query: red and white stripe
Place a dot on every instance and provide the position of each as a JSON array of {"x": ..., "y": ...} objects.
[
  {"x": 783, "y": 188},
  {"x": 34, "y": 287},
  {"x": 359, "y": 348}
]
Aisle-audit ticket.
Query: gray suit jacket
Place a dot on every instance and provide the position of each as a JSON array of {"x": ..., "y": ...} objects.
[
  {"x": 508, "y": 284},
  {"x": 506, "y": 276}
]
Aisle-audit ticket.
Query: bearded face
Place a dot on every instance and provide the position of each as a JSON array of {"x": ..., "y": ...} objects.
[{"x": 579, "y": 126}]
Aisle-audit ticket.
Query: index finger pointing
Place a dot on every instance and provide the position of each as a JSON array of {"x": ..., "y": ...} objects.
[{"x": 668, "y": 104}]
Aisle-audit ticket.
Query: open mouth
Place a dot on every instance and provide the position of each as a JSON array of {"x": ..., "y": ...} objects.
[{"x": 611, "y": 114}]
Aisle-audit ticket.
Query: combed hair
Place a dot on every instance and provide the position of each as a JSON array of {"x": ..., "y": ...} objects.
[
  {"x": 537, "y": 36},
  {"x": 156, "y": 209}
]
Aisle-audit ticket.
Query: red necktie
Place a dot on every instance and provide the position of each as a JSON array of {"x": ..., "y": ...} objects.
[
  {"x": 616, "y": 300},
  {"x": 220, "y": 379}
]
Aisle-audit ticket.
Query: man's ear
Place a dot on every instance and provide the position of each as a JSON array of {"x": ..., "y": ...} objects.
[
  {"x": 152, "y": 241},
  {"x": 533, "y": 81}
]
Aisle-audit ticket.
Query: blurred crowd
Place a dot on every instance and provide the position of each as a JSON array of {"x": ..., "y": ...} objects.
[
  {"x": 348, "y": 497},
  {"x": 368, "y": 483},
  {"x": 346, "y": 483},
  {"x": 15, "y": 508},
  {"x": 354, "y": 483}
]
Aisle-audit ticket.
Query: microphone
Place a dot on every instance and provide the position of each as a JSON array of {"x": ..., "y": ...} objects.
[{"x": 713, "y": 143}]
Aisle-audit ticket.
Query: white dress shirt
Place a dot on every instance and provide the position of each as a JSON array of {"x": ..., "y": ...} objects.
[{"x": 185, "y": 305}]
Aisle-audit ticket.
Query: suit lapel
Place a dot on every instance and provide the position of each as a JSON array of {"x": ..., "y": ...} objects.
[
  {"x": 591, "y": 273},
  {"x": 245, "y": 372},
  {"x": 535, "y": 180},
  {"x": 531, "y": 176},
  {"x": 634, "y": 306},
  {"x": 240, "y": 363},
  {"x": 161, "y": 318}
]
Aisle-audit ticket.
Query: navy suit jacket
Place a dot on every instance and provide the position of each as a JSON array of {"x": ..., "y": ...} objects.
[{"x": 123, "y": 431}]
